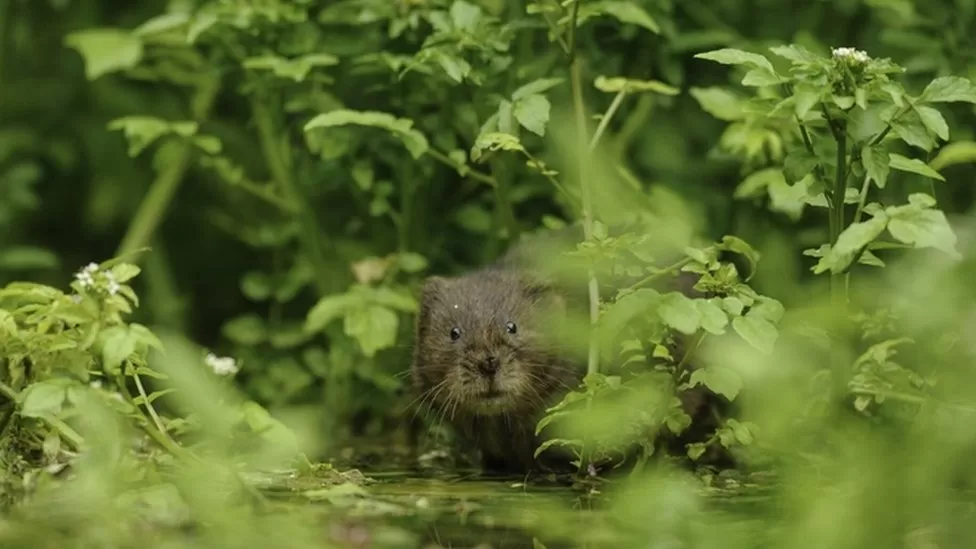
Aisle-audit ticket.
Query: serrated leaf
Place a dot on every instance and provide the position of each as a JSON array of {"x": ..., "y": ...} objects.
[
  {"x": 119, "y": 345},
  {"x": 720, "y": 103},
  {"x": 960, "y": 152},
  {"x": 532, "y": 112},
  {"x": 850, "y": 242},
  {"x": 913, "y": 165},
  {"x": 617, "y": 84},
  {"x": 106, "y": 50},
  {"x": 876, "y": 164},
  {"x": 946, "y": 89},
  {"x": 732, "y": 56},
  {"x": 756, "y": 331},
  {"x": 415, "y": 141},
  {"x": 680, "y": 312},
  {"x": 719, "y": 380}
]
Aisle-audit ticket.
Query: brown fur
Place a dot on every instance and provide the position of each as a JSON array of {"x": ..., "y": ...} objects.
[{"x": 531, "y": 374}]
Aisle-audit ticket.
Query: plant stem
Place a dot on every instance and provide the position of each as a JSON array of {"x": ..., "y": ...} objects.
[
  {"x": 149, "y": 407},
  {"x": 607, "y": 116},
  {"x": 667, "y": 270},
  {"x": 153, "y": 208},
  {"x": 280, "y": 166},
  {"x": 593, "y": 358},
  {"x": 476, "y": 175},
  {"x": 837, "y": 207}
]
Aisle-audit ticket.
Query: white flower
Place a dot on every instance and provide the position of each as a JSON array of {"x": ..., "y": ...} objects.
[
  {"x": 852, "y": 54},
  {"x": 222, "y": 366},
  {"x": 113, "y": 286},
  {"x": 97, "y": 384}
]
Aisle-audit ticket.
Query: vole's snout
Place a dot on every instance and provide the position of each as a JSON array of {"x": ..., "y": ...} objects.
[{"x": 489, "y": 366}]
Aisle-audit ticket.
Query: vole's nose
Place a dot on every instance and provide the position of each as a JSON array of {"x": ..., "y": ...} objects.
[{"x": 489, "y": 366}]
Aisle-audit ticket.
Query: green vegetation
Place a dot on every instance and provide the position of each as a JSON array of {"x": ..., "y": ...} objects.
[{"x": 215, "y": 217}]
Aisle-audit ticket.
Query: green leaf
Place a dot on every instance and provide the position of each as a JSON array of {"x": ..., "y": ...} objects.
[
  {"x": 731, "y": 56},
  {"x": 696, "y": 450},
  {"x": 330, "y": 308},
  {"x": 761, "y": 77},
  {"x": 719, "y": 380},
  {"x": 713, "y": 318},
  {"x": 922, "y": 227},
  {"x": 246, "y": 329},
  {"x": 948, "y": 89},
  {"x": 294, "y": 69},
  {"x": 756, "y": 331},
  {"x": 876, "y": 163},
  {"x": 960, "y": 152},
  {"x": 124, "y": 272},
  {"x": 933, "y": 120},
  {"x": 795, "y": 53},
  {"x": 415, "y": 141},
  {"x": 617, "y": 84},
  {"x": 736, "y": 245},
  {"x": 850, "y": 242},
  {"x": 807, "y": 96},
  {"x": 106, "y": 50},
  {"x": 465, "y": 16},
  {"x": 17, "y": 258},
  {"x": 913, "y": 165},
  {"x": 623, "y": 11},
  {"x": 912, "y": 131},
  {"x": 680, "y": 312},
  {"x": 374, "y": 327},
  {"x": 44, "y": 399},
  {"x": 532, "y": 112},
  {"x": 720, "y": 103},
  {"x": 119, "y": 345},
  {"x": 142, "y": 131},
  {"x": 535, "y": 87},
  {"x": 494, "y": 141}
]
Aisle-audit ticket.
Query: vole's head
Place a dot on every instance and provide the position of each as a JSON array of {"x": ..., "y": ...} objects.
[{"x": 480, "y": 346}]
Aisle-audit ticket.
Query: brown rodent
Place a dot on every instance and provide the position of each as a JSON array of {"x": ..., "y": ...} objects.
[{"x": 482, "y": 363}]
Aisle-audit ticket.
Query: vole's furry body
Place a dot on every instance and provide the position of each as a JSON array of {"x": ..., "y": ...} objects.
[{"x": 531, "y": 374}]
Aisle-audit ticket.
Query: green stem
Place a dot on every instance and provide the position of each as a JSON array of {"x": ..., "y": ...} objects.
[
  {"x": 153, "y": 208},
  {"x": 593, "y": 358},
  {"x": 476, "y": 175},
  {"x": 607, "y": 116},
  {"x": 279, "y": 164},
  {"x": 837, "y": 207},
  {"x": 667, "y": 270},
  {"x": 148, "y": 405}
]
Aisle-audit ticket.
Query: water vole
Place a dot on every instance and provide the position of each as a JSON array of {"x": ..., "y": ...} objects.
[{"x": 482, "y": 362}]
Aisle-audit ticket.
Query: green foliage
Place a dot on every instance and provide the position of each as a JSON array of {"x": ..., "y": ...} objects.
[{"x": 297, "y": 167}]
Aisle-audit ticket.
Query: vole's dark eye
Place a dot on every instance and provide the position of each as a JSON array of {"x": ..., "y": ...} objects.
[
  {"x": 455, "y": 334},
  {"x": 511, "y": 327}
]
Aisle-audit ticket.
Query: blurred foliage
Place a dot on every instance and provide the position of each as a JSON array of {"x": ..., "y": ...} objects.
[{"x": 297, "y": 167}]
